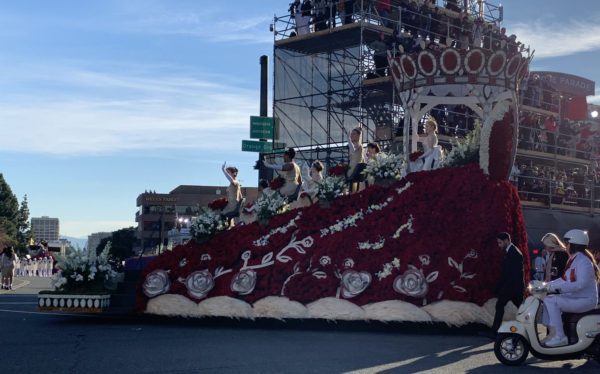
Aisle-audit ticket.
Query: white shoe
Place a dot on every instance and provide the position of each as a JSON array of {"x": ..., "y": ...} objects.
[{"x": 557, "y": 341}]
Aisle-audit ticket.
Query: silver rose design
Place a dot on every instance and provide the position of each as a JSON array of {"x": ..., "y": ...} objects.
[
  {"x": 411, "y": 283},
  {"x": 156, "y": 283},
  {"x": 183, "y": 262},
  {"x": 348, "y": 263},
  {"x": 199, "y": 283},
  {"x": 354, "y": 283},
  {"x": 205, "y": 257},
  {"x": 424, "y": 259},
  {"x": 244, "y": 282},
  {"x": 325, "y": 260}
]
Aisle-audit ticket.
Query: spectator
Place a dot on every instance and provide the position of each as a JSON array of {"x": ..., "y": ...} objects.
[
  {"x": 383, "y": 9},
  {"x": 539, "y": 266},
  {"x": 556, "y": 256},
  {"x": 8, "y": 262},
  {"x": 380, "y": 48}
]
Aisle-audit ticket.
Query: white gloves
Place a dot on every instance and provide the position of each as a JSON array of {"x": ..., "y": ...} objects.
[
  {"x": 273, "y": 166},
  {"x": 552, "y": 288}
]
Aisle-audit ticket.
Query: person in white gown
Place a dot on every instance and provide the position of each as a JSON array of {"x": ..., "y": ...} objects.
[{"x": 432, "y": 152}]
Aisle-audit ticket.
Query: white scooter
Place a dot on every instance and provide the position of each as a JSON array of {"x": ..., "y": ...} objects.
[{"x": 516, "y": 338}]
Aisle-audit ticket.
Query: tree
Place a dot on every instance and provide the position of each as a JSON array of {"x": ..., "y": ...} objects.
[
  {"x": 23, "y": 231},
  {"x": 9, "y": 209},
  {"x": 122, "y": 242}
]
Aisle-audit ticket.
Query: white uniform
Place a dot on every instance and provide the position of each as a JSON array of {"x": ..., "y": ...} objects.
[{"x": 578, "y": 292}]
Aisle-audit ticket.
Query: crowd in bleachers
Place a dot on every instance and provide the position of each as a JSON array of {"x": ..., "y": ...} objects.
[
  {"x": 416, "y": 24},
  {"x": 578, "y": 139},
  {"x": 578, "y": 186}
]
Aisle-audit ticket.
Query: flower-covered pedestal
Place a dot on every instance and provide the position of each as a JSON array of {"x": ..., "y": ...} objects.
[
  {"x": 385, "y": 182},
  {"x": 82, "y": 284},
  {"x": 325, "y": 204},
  {"x": 73, "y": 303}
]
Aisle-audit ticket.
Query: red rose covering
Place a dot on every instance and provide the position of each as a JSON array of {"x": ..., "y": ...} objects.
[
  {"x": 415, "y": 156},
  {"x": 439, "y": 225},
  {"x": 218, "y": 204},
  {"x": 337, "y": 170},
  {"x": 276, "y": 183}
]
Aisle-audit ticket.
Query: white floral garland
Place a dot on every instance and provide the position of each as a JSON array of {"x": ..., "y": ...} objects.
[
  {"x": 264, "y": 240},
  {"x": 406, "y": 226},
  {"x": 404, "y": 188},
  {"x": 374, "y": 207},
  {"x": 343, "y": 224},
  {"x": 377, "y": 245},
  {"x": 387, "y": 268}
]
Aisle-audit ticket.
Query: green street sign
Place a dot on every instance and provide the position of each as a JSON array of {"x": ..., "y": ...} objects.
[
  {"x": 261, "y": 127},
  {"x": 262, "y": 147}
]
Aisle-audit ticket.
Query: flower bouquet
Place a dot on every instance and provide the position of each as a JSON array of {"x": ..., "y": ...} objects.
[
  {"x": 338, "y": 170},
  {"x": 270, "y": 204},
  {"x": 331, "y": 187},
  {"x": 83, "y": 272},
  {"x": 465, "y": 150},
  {"x": 277, "y": 183},
  {"x": 414, "y": 156},
  {"x": 385, "y": 167},
  {"x": 218, "y": 204},
  {"x": 206, "y": 224}
]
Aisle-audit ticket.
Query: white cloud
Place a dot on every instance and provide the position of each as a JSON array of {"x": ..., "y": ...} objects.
[
  {"x": 105, "y": 112},
  {"x": 553, "y": 39}
]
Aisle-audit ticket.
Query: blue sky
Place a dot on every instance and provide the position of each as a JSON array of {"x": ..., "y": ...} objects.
[{"x": 101, "y": 100}]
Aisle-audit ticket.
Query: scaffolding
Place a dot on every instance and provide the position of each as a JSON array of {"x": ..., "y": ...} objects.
[{"x": 326, "y": 84}]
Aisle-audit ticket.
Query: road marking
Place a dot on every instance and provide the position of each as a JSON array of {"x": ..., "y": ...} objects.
[
  {"x": 23, "y": 284},
  {"x": 30, "y": 303},
  {"x": 48, "y": 313}
]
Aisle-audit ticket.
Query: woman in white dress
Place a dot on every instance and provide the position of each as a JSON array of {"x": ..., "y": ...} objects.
[
  {"x": 234, "y": 190},
  {"x": 356, "y": 157},
  {"x": 290, "y": 171},
  {"x": 431, "y": 150},
  {"x": 313, "y": 177}
]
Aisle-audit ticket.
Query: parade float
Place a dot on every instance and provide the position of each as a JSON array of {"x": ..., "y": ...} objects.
[{"x": 422, "y": 250}]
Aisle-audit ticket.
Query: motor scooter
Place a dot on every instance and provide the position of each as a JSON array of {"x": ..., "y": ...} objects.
[{"x": 516, "y": 338}]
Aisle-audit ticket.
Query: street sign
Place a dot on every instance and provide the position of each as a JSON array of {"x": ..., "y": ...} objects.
[
  {"x": 262, "y": 147},
  {"x": 261, "y": 127}
]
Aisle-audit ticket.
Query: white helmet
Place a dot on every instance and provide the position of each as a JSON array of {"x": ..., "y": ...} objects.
[{"x": 576, "y": 236}]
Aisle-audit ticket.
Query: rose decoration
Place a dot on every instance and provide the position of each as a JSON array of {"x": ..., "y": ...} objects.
[
  {"x": 411, "y": 283},
  {"x": 199, "y": 283},
  {"x": 354, "y": 282},
  {"x": 325, "y": 260},
  {"x": 348, "y": 263},
  {"x": 243, "y": 283},
  {"x": 156, "y": 283}
]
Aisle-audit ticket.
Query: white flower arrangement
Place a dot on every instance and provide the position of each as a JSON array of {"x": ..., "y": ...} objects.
[
  {"x": 270, "y": 204},
  {"x": 331, "y": 187},
  {"x": 464, "y": 150},
  {"x": 84, "y": 272},
  {"x": 206, "y": 224},
  {"x": 385, "y": 166}
]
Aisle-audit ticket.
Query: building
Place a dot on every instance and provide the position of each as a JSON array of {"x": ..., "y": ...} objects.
[
  {"x": 157, "y": 212},
  {"x": 95, "y": 238},
  {"x": 45, "y": 228}
]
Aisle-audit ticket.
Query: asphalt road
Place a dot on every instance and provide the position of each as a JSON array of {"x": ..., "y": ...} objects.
[{"x": 43, "y": 342}]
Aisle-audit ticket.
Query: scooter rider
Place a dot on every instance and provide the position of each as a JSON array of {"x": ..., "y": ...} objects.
[{"x": 577, "y": 289}]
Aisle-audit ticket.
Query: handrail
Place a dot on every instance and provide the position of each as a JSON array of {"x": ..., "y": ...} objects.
[{"x": 429, "y": 22}]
